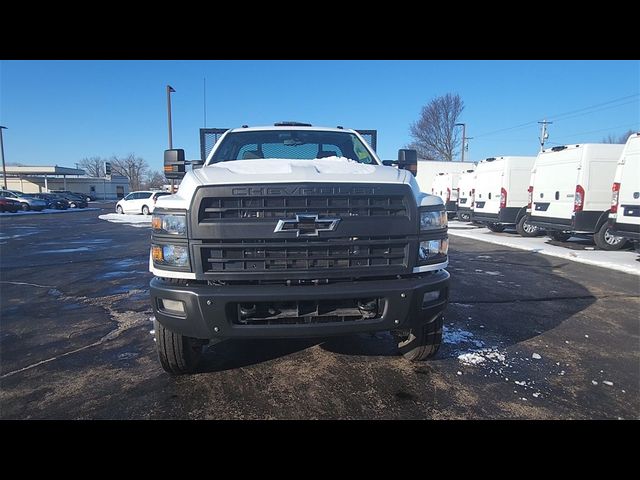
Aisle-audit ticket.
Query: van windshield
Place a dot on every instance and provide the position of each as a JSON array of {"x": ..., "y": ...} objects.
[{"x": 291, "y": 144}]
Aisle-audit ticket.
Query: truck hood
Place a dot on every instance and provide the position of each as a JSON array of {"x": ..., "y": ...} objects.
[{"x": 273, "y": 170}]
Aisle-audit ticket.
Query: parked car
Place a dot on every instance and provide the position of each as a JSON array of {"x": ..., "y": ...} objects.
[
  {"x": 9, "y": 205},
  {"x": 74, "y": 200},
  {"x": 26, "y": 203},
  {"x": 501, "y": 194},
  {"x": 570, "y": 192},
  {"x": 84, "y": 196},
  {"x": 624, "y": 216},
  {"x": 139, "y": 202},
  {"x": 52, "y": 200}
]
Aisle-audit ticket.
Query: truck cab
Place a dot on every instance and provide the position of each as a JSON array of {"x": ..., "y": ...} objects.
[{"x": 292, "y": 231}]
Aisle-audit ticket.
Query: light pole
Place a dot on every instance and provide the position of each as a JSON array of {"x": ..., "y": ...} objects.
[
  {"x": 4, "y": 169},
  {"x": 464, "y": 138},
  {"x": 169, "y": 90}
]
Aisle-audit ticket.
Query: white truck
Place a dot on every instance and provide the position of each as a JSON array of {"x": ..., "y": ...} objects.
[
  {"x": 292, "y": 230},
  {"x": 624, "y": 216},
  {"x": 466, "y": 194},
  {"x": 570, "y": 192},
  {"x": 501, "y": 193},
  {"x": 445, "y": 185}
]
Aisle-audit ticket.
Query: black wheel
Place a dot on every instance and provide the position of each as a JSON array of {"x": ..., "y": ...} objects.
[
  {"x": 178, "y": 354},
  {"x": 119, "y": 210},
  {"x": 525, "y": 229},
  {"x": 145, "y": 210},
  {"x": 464, "y": 216},
  {"x": 25, "y": 207},
  {"x": 560, "y": 236},
  {"x": 495, "y": 227},
  {"x": 422, "y": 342},
  {"x": 605, "y": 240}
]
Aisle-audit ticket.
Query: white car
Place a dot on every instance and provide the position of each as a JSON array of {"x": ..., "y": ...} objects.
[{"x": 139, "y": 202}]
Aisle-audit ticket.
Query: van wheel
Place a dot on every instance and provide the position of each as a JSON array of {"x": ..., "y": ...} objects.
[
  {"x": 25, "y": 207},
  {"x": 145, "y": 210},
  {"x": 559, "y": 236},
  {"x": 465, "y": 217},
  {"x": 525, "y": 229},
  {"x": 605, "y": 240},
  {"x": 178, "y": 354},
  {"x": 422, "y": 342},
  {"x": 495, "y": 227},
  {"x": 119, "y": 210}
]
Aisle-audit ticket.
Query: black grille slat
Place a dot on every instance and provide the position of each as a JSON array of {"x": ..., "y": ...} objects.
[
  {"x": 303, "y": 254},
  {"x": 221, "y": 208}
]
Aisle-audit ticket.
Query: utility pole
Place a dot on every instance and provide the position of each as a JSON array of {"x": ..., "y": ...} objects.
[
  {"x": 465, "y": 147},
  {"x": 544, "y": 134},
  {"x": 464, "y": 138},
  {"x": 4, "y": 168}
]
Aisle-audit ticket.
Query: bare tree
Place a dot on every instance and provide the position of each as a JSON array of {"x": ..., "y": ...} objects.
[
  {"x": 155, "y": 180},
  {"x": 434, "y": 134},
  {"x": 93, "y": 166},
  {"x": 618, "y": 139},
  {"x": 132, "y": 167}
]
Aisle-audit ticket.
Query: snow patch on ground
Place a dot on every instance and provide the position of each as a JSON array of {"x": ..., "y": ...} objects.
[
  {"x": 624, "y": 261},
  {"x": 140, "y": 221},
  {"x": 536, "y": 356}
]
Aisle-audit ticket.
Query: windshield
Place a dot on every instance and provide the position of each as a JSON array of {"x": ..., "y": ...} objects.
[{"x": 291, "y": 144}]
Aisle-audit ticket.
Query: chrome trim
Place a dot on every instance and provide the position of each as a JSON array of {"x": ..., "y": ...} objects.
[{"x": 431, "y": 268}]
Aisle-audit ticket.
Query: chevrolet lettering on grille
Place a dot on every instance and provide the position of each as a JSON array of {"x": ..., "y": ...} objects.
[{"x": 307, "y": 225}]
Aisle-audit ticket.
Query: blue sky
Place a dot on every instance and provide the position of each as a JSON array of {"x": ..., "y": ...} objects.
[{"x": 58, "y": 112}]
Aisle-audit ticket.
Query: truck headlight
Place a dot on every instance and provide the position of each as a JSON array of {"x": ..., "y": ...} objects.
[
  {"x": 430, "y": 249},
  {"x": 433, "y": 220},
  {"x": 169, "y": 223},
  {"x": 171, "y": 255}
]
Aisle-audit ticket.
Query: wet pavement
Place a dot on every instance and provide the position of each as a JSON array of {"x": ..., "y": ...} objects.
[{"x": 527, "y": 336}]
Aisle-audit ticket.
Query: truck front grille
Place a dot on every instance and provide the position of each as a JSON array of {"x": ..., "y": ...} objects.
[
  {"x": 304, "y": 254},
  {"x": 283, "y": 207}
]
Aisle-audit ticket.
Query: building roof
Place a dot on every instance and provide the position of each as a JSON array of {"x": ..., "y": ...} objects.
[{"x": 44, "y": 170}]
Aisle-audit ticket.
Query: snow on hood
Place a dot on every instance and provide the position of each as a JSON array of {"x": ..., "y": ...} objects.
[
  {"x": 275, "y": 170},
  {"x": 328, "y": 165}
]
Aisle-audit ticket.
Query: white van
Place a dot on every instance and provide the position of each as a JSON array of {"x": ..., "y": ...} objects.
[
  {"x": 428, "y": 170},
  {"x": 501, "y": 193},
  {"x": 466, "y": 186},
  {"x": 624, "y": 217},
  {"x": 445, "y": 186},
  {"x": 571, "y": 192}
]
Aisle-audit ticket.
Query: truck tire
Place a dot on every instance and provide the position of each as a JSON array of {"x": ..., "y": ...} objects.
[
  {"x": 422, "y": 342},
  {"x": 526, "y": 229},
  {"x": 495, "y": 227},
  {"x": 464, "y": 217},
  {"x": 604, "y": 240},
  {"x": 559, "y": 236},
  {"x": 145, "y": 210},
  {"x": 178, "y": 354}
]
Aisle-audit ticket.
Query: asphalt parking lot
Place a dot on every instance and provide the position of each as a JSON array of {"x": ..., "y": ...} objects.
[{"x": 527, "y": 336}]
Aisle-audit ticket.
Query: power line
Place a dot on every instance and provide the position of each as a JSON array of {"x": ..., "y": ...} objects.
[
  {"x": 626, "y": 125},
  {"x": 564, "y": 114}
]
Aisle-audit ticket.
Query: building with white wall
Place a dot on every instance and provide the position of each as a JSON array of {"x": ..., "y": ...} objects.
[{"x": 36, "y": 179}]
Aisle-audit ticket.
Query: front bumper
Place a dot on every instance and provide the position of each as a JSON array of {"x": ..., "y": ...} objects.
[{"x": 211, "y": 311}]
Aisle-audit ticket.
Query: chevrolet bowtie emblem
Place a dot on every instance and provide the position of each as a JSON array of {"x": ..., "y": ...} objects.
[{"x": 307, "y": 225}]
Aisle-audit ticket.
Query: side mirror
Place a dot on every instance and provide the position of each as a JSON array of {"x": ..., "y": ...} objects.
[
  {"x": 408, "y": 160},
  {"x": 174, "y": 164},
  {"x": 389, "y": 163}
]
